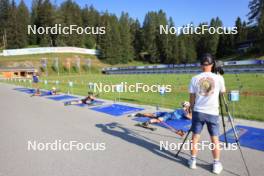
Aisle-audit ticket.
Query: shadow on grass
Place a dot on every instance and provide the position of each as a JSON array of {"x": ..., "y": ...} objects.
[{"x": 129, "y": 135}]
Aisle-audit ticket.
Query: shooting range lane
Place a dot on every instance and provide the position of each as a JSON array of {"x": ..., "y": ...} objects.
[
  {"x": 180, "y": 124},
  {"x": 117, "y": 109},
  {"x": 248, "y": 137},
  {"x": 95, "y": 103},
  {"x": 62, "y": 97},
  {"x": 129, "y": 150}
]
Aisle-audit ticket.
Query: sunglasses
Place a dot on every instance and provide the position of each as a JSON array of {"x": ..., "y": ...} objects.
[{"x": 206, "y": 64}]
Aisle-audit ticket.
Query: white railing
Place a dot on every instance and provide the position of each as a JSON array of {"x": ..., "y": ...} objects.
[{"x": 43, "y": 50}]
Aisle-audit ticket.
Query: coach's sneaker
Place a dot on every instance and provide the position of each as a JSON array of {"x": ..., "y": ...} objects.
[
  {"x": 217, "y": 167},
  {"x": 192, "y": 163}
]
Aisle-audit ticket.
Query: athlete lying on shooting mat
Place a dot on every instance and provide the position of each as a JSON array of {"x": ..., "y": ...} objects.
[
  {"x": 89, "y": 100},
  {"x": 53, "y": 91},
  {"x": 159, "y": 117}
]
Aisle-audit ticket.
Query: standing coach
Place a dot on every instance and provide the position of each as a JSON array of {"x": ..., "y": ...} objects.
[{"x": 204, "y": 92}]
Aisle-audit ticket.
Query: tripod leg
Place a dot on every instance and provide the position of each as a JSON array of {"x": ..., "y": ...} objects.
[
  {"x": 178, "y": 152},
  {"x": 223, "y": 119},
  {"x": 236, "y": 136}
]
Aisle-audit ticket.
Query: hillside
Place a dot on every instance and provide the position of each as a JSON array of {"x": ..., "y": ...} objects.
[{"x": 35, "y": 61}]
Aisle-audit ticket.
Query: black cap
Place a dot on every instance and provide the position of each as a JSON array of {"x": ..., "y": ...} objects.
[{"x": 207, "y": 58}]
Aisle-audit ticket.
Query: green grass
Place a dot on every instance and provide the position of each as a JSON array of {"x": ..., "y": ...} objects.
[{"x": 250, "y": 106}]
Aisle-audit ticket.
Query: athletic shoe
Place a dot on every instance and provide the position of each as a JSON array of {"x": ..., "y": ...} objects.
[
  {"x": 180, "y": 133},
  {"x": 146, "y": 123},
  {"x": 131, "y": 115},
  {"x": 192, "y": 163},
  {"x": 217, "y": 168}
]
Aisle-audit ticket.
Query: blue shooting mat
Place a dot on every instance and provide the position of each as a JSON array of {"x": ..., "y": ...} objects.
[
  {"x": 62, "y": 97},
  {"x": 178, "y": 124},
  {"x": 28, "y": 91},
  {"x": 248, "y": 137},
  {"x": 20, "y": 88},
  {"x": 32, "y": 91},
  {"x": 117, "y": 109}
]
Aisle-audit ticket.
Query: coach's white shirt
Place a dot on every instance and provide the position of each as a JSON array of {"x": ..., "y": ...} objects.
[{"x": 206, "y": 87}]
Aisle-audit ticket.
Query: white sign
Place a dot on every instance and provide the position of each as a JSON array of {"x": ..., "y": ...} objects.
[
  {"x": 119, "y": 88},
  {"x": 162, "y": 90},
  {"x": 90, "y": 85},
  {"x": 42, "y": 50}
]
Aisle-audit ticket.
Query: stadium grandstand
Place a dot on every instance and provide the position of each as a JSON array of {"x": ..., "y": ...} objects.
[{"x": 245, "y": 66}]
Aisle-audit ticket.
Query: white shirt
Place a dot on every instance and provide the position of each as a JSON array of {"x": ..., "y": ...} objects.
[{"x": 206, "y": 86}]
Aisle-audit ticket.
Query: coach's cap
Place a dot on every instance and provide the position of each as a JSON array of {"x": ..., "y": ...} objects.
[
  {"x": 185, "y": 104},
  {"x": 207, "y": 59}
]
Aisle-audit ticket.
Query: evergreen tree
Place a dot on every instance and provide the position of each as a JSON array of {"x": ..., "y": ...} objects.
[
  {"x": 256, "y": 14},
  {"x": 4, "y": 13},
  {"x": 43, "y": 15},
  {"x": 261, "y": 33},
  {"x": 149, "y": 38},
  {"x": 90, "y": 17},
  {"x": 225, "y": 45},
  {"x": 181, "y": 49},
  {"x": 127, "y": 53},
  {"x": 190, "y": 45},
  {"x": 136, "y": 34},
  {"x": 33, "y": 20},
  {"x": 191, "y": 54},
  {"x": 110, "y": 43},
  {"x": 202, "y": 43},
  {"x": 213, "y": 39},
  {"x": 161, "y": 40},
  {"x": 70, "y": 14},
  {"x": 242, "y": 31},
  {"x": 256, "y": 10},
  {"x": 172, "y": 50},
  {"x": 23, "y": 20},
  {"x": 11, "y": 29}
]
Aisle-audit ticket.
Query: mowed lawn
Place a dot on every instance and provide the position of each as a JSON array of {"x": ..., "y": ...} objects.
[{"x": 251, "y": 86}]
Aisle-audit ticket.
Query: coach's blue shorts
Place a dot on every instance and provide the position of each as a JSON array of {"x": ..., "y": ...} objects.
[{"x": 199, "y": 119}]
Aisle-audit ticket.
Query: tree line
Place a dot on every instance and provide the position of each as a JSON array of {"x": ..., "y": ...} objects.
[{"x": 126, "y": 39}]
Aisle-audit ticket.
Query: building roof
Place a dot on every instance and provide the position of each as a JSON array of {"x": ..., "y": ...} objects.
[{"x": 16, "y": 69}]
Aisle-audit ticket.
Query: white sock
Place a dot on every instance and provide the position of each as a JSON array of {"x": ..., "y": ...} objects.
[
  {"x": 216, "y": 161},
  {"x": 193, "y": 158}
]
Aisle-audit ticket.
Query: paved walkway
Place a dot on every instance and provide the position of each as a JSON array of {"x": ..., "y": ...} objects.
[{"x": 130, "y": 151}]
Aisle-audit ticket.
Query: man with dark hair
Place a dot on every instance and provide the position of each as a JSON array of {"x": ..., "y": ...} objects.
[{"x": 204, "y": 92}]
